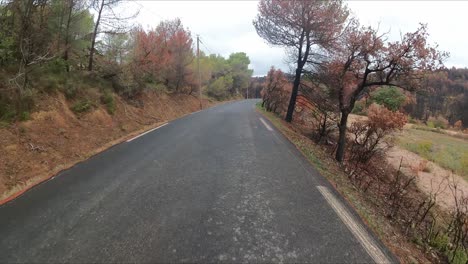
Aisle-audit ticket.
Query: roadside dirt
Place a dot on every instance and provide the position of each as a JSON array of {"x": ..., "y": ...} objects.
[
  {"x": 55, "y": 138},
  {"x": 437, "y": 180}
]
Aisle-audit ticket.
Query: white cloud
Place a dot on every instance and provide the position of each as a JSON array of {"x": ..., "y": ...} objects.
[
  {"x": 447, "y": 22},
  {"x": 226, "y": 26}
]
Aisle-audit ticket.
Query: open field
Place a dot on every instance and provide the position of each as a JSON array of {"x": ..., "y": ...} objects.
[{"x": 449, "y": 152}]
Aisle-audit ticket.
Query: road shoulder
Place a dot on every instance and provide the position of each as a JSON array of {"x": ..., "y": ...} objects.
[{"x": 358, "y": 203}]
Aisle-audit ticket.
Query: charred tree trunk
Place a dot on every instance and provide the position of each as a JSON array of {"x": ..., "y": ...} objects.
[
  {"x": 292, "y": 100},
  {"x": 342, "y": 136},
  {"x": 301, "y": 60}
]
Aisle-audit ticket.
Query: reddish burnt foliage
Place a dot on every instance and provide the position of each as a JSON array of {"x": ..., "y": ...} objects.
[
  {"x": 364, "y": 59},
  {"x": 276, "y": 91},
  {"x": 304, "y": 27},
  {"x": 368, "y": 137},
  {"x": 150, "y": 53},
  {"x": 458, "y": 125},
  {"x": 385, "y": 119},
  {"x": 165, "y": 53}
]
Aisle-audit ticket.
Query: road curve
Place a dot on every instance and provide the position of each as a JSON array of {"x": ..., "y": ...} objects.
[{"x": 220, "y": 185}]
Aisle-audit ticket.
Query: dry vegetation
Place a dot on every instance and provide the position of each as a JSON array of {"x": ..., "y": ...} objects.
[
  {"x": 77, "y": 69},
  {"x": 347, "y": 69},
  {"x": 447, "y": 151},
  {"x": 52, "y": 140},
  {"x": 409, "y": 221}
]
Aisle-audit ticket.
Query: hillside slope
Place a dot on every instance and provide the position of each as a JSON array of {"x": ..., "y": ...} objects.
[{"x": 56, "y": 138}]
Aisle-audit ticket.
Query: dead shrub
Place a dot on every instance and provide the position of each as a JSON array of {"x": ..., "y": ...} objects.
[
  {"x": 458, "y": 125},
  {"x": 368, "y": 137},
  {"x": 420, "y": 166},
  {"x": 325, "y": 124},
  {"x": 438, "y": 122},
  {"x": 324, "y": 114},
  {"x": 458, "y": 226},
  {"x": 398, "y": 190}
]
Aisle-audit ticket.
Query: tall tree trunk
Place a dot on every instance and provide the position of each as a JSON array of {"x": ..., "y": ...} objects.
[
  {"x": 323, "y": 128},
  {"x": 59, "y": 37},
  {"x": 67, "y": 34},
  {"x": 342, "y": 137},
  {"x": 25, "y": 9},
  {"x": 301, "y": 61},
  {"x": 295, "y": 89},
  {"x": 93, "y": 41}
]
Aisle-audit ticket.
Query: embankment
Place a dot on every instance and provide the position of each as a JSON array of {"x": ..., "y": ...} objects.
[{"x": 55, "y": 138}]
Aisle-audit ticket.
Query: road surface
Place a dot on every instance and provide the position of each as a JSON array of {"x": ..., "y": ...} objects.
[{"x": 220, "y": 185}]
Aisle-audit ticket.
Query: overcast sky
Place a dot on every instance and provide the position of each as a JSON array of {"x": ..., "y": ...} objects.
[{"x": 226, "y": 26}]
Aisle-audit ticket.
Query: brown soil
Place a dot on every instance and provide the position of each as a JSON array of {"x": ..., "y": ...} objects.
[
  {"x": 55, "y": 138},
  {"x": 436, "y": 180}
]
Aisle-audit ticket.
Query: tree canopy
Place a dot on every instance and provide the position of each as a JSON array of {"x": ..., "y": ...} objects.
[
  {"x": 46, "y": 43},
  {"x": 304, "y": 28}
]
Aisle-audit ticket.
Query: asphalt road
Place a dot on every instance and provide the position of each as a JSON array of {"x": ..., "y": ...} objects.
[{"x": 219, "y": 185}]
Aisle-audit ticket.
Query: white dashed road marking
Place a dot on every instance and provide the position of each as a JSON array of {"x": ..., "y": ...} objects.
[
  {"x": 142, "y": 134},
  {"x": 357, "y": 229},
  {"x": 265, "y": 124}
]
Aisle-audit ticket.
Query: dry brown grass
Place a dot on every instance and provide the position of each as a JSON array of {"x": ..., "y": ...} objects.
[{"x": 52, "y": 140}]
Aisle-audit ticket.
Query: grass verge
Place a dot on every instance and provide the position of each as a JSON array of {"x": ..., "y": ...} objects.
[{"x": 447, "y": 151}]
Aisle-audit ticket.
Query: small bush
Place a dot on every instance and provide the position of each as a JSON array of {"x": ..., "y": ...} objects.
[
  {"x": 458, "y": 257},
  {"x": 24, "y": 116},
  {"x": 384, "y": 119},
  {"x": 458, "y": 125},
  {"x": 438, "y": 122},
  {"x": 411, "y": 120},
  {"x": 421, "y": 147},
  {"x": 427, "y": 168},
  {"x": 430, "y": 124},
  {"x": 159, "y": 87},
  {"x": 108, "y": 100},
  {"x": 358, "y": 108},
  {"x": 219, "y": 89},
  {"x": 48, "y": 85},
  {"x": 440, "y": 242},
  {"x": 429, "y": 129},
  {"x": 276, "y": 92},
  {"x": 464, "y": 163},
  {"x": 70, "y": 90},
  {"x": 390, "y": 97},
  {"x": 7, "y": 112},
  {"x": 56, "y": 66},
  {"x": 82, "y": 106},
  {"x": 3, "y": 124},
  {"x": 14, "y": 109},
  {"x": 368, "y": 137}
]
